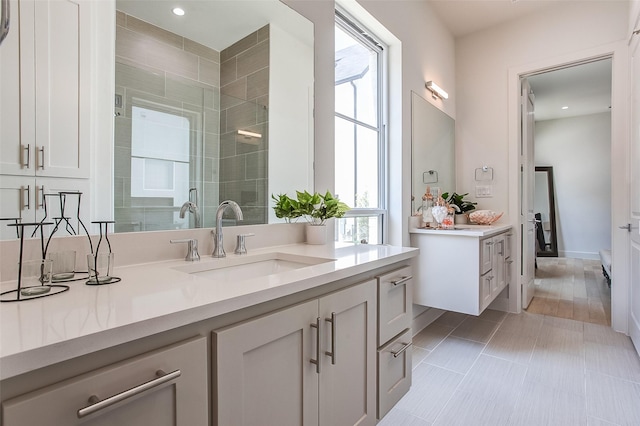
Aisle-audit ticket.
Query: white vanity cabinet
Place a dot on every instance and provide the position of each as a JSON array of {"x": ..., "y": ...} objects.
[
  {"x": 164, "y": 387},
  {"x": 312, "y": 363},
  {"x": 23, "y": 197},
  {"x": 45, "y": 89},
  {"x": 461, "y": 270},
  {"x": 395, "y": 301}
]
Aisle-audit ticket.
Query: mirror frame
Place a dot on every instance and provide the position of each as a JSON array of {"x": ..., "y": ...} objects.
[{"x": 553, "y": 243}]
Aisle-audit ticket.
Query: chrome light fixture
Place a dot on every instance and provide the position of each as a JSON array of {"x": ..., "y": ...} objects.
[{"x": 436, "y": 91}]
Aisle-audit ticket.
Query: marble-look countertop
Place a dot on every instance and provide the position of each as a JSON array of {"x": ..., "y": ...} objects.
[
  {"x": 479, "y": 231},
  {"x": 156, "y": 297}
]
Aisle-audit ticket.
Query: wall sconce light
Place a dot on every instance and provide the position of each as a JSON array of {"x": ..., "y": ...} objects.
[
  {"x": 252, "y": 138},
  {"x": 436, "y": 91}
]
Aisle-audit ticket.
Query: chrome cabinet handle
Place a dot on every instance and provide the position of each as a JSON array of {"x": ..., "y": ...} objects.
[
  {"x": 401, "y": 280},
  {"x": 317, "y": 360},
  {"x": 97, "y": 404},
  {"x": 40, "y": 165},
  {"x": 489, "y": 243},
  {"x": 399, "y": 352},
  {"x": 40, "y": 195},
  {"x": 26, "y": 205},
  {"x": 332, "y": 354},
  {"x": 26, "y": 158}
]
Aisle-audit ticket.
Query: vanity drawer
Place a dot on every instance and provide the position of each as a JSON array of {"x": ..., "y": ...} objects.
[
  {"x": 164, "y": 387},
  {"x": 394, "y": 372},
  {"x": 395, "y": 296}
]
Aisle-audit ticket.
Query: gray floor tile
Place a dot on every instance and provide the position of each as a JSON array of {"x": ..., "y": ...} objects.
[
  {"x": 612, "y": 399},
  {"x": 418, "y": 355},
  {"x": 593, "y": 421},
  {"x": 431, "y": 390},
  {"x": 431, "y": 336},
  {"x": 455, "y": 354},
  {"x": 557, "y": 370},
  {"x": 524, "y": 324},
  {"x": 553, "y": 340},
  {"x": 451, "y": 319},
  {"x": 605, "y": 335},
  {"x": 468, "y": 408},
  {"x": 397, "y": 417},
  {"x": 475, "y": 329},
  {"x": 541, "y": 405},
  {"x": 615, "y": 361},
  {"x": 492, "y": 315},
  {"x": 511, "y": 346},
  {"x": 495, "y": 379}
]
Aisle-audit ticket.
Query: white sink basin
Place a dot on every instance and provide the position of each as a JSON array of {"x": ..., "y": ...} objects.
[{"x": 239, "y": 268}]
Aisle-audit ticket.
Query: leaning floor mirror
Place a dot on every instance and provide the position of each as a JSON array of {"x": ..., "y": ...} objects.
[{"x": 545, "y": 213}]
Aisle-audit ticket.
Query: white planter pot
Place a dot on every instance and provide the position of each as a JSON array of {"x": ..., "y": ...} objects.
[{"x": 316, "y": 234}]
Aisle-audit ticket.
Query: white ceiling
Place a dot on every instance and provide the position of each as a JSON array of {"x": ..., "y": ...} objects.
[
  {"x": 217, "y": 23},
  {"x": 585, "y": 89}
]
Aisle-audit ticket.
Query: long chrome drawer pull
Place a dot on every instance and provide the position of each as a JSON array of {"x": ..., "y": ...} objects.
[
  {"x": 332, "y": 354},
  {"x": 26, "y": 158},
  {"x": 41, "y": 164},
  {"x": 97, "y": 404},
  {"x": 401, "y": 280},
  {"x": 396, "y": 354},
  {"x": 317, "y": 360}
]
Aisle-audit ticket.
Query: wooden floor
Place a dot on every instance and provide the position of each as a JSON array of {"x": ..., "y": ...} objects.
[{"x": 571, "y": 288}]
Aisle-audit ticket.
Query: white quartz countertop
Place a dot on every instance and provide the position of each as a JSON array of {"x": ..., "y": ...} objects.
[
  {"x": 479, "y": 231},
  {"x": 156, "y": 297}
]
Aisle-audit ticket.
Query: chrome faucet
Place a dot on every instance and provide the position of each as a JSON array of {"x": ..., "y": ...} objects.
[
  {"x": 193, "y": 209},
  {"x": 218, "y": 250}
]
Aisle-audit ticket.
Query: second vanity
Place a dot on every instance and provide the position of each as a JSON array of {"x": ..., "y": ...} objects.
[
  {"x": 177, "y": 343},
  {"x": 463, "y": 269}
]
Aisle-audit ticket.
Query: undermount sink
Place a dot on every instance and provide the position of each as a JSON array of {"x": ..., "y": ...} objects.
[{"x": 240, "y": 268}]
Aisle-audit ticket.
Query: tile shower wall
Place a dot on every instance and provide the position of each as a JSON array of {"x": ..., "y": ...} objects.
[
  {"x": 164, "y": 71},
  {"x": 244, "y": 100}
]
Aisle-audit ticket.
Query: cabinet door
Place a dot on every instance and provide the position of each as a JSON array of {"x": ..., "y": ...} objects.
[
  {"x": 164, "y": 387},
  {"x": 17, "y": 136},
  {"x": 348, "y": 362},
  {"x": 62, "y": 86},
  {"x": 486, "y": 255},
  {"x": 395, "y": 291},
  {"x": 262, "y": 369},
  {"x": 18, "y": 201},
  {"x": 485, "y": 290}
]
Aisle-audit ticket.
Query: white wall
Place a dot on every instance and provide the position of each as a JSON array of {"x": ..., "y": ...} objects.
[
  {"x": 483, "y": 60},
  {"x": 579, "y": 149}
]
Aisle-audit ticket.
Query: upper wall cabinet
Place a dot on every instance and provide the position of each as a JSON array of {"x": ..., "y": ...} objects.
[{"x": 44, "y": 89}]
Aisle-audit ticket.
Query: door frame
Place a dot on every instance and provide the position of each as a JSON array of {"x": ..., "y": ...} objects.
[{"x": 620, "y": 149}]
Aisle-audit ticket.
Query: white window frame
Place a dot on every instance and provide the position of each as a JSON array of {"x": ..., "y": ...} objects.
[{"x": 362, "y": 34}]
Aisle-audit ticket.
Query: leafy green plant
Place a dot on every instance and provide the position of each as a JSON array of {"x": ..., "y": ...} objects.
[
  {"x": 458, "y": 200},
  {"x": 315, "y": 208}
]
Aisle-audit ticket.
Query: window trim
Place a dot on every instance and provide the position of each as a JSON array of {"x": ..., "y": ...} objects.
[{"x": 350, "y": 25}]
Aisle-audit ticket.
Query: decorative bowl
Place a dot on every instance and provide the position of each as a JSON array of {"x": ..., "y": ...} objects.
[{"x": 484, "y": 217}]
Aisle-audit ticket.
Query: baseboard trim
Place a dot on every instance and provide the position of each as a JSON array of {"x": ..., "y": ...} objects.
[{"x": 425, "y": 318}]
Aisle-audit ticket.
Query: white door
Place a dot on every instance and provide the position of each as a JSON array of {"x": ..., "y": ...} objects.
[
  {"x": 527, "y": 170},
  {"x": 634, "y": 214}
]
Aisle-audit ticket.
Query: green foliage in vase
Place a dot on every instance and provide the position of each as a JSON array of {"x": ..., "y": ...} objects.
[
  {"x": 459, "y": 201},
  {"x": 315, "y": 208}
]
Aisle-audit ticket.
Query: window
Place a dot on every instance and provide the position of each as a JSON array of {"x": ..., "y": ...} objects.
[{"x": 360, "y": 161}]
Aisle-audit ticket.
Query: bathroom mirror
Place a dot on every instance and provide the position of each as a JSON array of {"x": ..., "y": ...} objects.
[
  {"x": 212, "y": 105},
  {"x": 545, "y": 213},
  {"x": 432, "y": 149}
]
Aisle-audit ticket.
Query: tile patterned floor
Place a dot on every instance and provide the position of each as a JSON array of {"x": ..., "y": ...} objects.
[
  {"x": 528, "y": 369},
  {"x": 571, "y": 288}
]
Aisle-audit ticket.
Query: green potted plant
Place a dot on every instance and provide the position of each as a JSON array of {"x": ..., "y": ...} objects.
[
  {"x": 315, "y": 208},
  {"x": 460, "y": 205}
]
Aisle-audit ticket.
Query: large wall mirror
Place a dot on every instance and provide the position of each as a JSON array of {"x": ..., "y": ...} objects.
[
  {"x": 212, "y": 105},
  {"x": 432, "y": 149},
  {"x": 545, "y": 213}
]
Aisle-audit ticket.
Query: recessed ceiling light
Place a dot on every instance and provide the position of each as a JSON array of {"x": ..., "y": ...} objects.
[
  {"x": 565, "y": 107},
  {"x": 178, "y": 11}
]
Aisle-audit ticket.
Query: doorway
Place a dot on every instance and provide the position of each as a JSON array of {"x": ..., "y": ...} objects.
[
  {"x": 620, "y": 152},
  {"x": 572, "y": 144}
]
